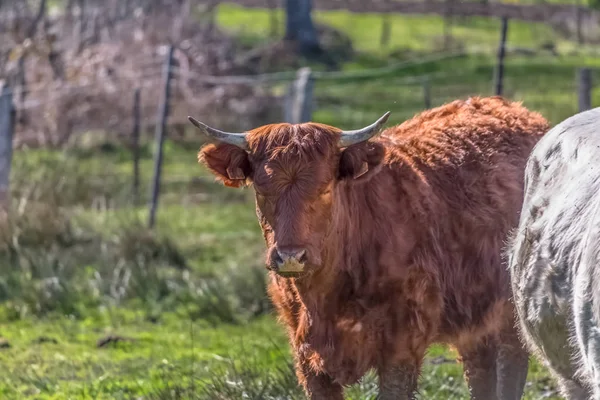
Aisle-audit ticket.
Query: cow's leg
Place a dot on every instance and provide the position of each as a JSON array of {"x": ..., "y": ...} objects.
[
  {"x": 318, "y": 386},
  {"x": 585, "y": 321},
  {"x": 479, "y": 364},
  {"x": 548, "y": 338},
  {"x": 572, "y": 390},
  {"x": 512, "y": 363},
  {"x": 322, "y": 387},
  {"x": 399, "y": 381}
]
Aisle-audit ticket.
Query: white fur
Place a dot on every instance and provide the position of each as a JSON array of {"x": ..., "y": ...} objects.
[{"x": 554, "y": 257}]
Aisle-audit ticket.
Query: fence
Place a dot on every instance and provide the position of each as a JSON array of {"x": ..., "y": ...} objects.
[
  {"x": 6, "y": 135},
  {"x": 345, "y": 99}
]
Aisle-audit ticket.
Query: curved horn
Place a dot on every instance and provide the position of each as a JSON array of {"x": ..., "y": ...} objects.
[
  {"x": 360, "y": 135},
  {"x": 236, "y": 139}
]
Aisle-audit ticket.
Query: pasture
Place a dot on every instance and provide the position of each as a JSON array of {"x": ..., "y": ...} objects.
[{"x": 95, "y": 306}]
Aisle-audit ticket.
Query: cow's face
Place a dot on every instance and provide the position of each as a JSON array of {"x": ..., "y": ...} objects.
[{"x": 295, "y": 171}]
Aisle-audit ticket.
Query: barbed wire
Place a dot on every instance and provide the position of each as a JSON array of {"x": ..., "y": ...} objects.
[
  {"x": 419, "y": 80},
  {"x": 285, "y": 76},
  {"x": 262, "y": 79},
  {"x": 324, "y": 75},
  {"x": 268, "y": 77},
  {"x": 147, "y": 79}
]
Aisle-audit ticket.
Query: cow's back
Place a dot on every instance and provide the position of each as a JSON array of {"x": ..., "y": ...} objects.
[
  {"x": 471, "y": 155},
  {"x": 554, "y": 252}
]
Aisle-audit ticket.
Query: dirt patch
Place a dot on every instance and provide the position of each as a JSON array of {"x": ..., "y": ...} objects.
[
  {"x": 44, "y": 339},
  {"x": 112, "y": 340},
  {"x": 4, "y": 344}
]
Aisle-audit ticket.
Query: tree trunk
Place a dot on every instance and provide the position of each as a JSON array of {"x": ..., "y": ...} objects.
[{"x": 299, "y": 26}]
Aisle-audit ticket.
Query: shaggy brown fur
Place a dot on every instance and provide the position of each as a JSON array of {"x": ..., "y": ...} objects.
[{"x": 400, "y": 257}]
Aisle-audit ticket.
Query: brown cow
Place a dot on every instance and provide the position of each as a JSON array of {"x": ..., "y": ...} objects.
[{"x": 379, "y": 248}]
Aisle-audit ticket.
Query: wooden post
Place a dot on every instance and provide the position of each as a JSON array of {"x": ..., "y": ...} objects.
[
  {"x": 499, "y": 78},
  {"x": 163, "y": 112},
  {"x": 427, "y": 92},
  {"x": 6, "y": 140},
  {"x": 288, "y": 101},
  {"x": 298, "y": 105},
  {"x": 135, "y": 146},
  {"x": 585, "y": 89}
]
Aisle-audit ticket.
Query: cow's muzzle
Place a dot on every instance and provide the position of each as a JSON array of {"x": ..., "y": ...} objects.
[{"x": 289, "y": 262}]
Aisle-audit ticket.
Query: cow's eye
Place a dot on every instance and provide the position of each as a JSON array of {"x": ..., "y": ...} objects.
[{"x": 326, "y": 192}]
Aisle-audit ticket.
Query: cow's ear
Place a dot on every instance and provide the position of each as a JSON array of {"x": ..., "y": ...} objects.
[
  {"x": 228, "y": 163},
  {"x": 360, "y": 161}
]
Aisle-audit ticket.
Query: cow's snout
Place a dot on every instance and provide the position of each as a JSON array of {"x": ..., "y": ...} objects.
[
  {"x": 289, "y": 260},
  {"x": 290, "y": 255}
]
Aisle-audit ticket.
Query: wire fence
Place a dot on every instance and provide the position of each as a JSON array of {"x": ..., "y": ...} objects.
[{"x": 101, "y": 108}]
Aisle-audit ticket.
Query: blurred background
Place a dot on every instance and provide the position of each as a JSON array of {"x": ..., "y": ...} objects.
[{"x": 126, "y": 272}]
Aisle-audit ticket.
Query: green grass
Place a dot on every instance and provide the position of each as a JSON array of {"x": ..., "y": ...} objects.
[
  {"x": 59, "y": 358},
  {"x": 409, "y": 33},
  {"x": 78, "y": 264}
]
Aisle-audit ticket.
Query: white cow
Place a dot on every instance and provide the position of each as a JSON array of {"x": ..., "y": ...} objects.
[{"x": 554, "y": 257}]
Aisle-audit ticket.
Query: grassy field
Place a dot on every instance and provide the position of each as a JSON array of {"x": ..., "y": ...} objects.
[{"x": 95, "y": 306}]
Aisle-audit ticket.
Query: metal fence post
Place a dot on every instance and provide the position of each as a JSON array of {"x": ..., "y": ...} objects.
[
  {"x": 427, "y": 92},
  {"x": 135, "y": 145},
  {"x": 584, "y": 89},
  {"x": 386, "y": 30},
  {"x": 499, "y": 78},
  {"x": 7, "y": 114},
  {"x": 163, "y": 113}
]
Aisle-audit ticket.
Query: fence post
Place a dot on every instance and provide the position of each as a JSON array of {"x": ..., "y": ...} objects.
[
  {"x": 499, "y": 79},
  {"x": 298, "y": 104},
  {"x": 135, "y": 145},
  {"x": 578, "y": 22},
  {"x": 163, "y": 112},
  {"x": 448, "y": 13},
  {"x": 427, "y": 92},
  {"x": 585, "y": 89},
  {"x": 386, "y": 30},
  {"x": 6, "y": 139}
]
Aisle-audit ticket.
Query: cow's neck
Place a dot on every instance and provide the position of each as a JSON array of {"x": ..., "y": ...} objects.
[
  {"x": 349, "y": 250},
  {"x": 367, "y": 219}
]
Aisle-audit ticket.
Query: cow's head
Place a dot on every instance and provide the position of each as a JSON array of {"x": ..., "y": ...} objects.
[{"x": 295, "y": 171}]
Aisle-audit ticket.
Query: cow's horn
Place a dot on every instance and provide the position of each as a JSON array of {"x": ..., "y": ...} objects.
[
  {"x": 360, "y": 135},
  {"x": 236, "y": 139}
]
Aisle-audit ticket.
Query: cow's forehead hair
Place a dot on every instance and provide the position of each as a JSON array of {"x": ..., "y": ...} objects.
[
  {"x": 283, "y": 140},
  {"x": 293, "y": 156}
]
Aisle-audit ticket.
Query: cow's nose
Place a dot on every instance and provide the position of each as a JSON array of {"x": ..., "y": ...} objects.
[{"x": 290, "y": 259}]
